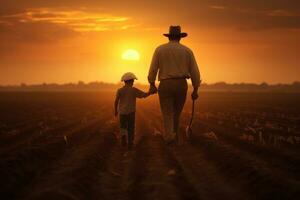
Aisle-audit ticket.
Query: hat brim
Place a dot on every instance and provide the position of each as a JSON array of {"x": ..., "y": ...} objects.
[
  {"x": 180, "y": 35},
  {"x": 129, "y": 79}
]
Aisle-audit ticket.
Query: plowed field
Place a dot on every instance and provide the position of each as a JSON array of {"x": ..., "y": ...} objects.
[{"x": 61, "y": 146}]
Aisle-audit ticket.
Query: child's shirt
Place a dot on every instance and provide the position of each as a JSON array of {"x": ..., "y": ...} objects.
[{"x": 127, "y": 99}]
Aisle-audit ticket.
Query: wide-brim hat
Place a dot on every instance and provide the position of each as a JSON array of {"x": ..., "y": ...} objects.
[
  {"x": 128, "y": 76},
  {"x": 175, "y": 31}
]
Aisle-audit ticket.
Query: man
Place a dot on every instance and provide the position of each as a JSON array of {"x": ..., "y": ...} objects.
[{"x": 174, "y": 63}]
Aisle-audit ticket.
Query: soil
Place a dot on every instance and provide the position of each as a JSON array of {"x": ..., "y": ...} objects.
[{"x": 67, "y": 147}]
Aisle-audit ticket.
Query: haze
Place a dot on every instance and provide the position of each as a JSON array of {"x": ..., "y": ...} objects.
[{"x": 67, "y": 41}]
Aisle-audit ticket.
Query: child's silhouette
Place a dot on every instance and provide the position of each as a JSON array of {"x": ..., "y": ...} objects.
[{"x": 125, "y": 104}]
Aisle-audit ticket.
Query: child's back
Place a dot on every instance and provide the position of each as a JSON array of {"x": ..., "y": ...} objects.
[{"x": 127, "y": 98}]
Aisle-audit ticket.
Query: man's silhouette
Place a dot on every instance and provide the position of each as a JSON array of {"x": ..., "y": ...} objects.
[{"x": 174, "y": 63}]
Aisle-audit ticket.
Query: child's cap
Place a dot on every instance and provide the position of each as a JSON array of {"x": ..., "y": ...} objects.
[{"x": 128, "y": 76}]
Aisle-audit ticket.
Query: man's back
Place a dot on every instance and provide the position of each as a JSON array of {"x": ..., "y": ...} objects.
[{"x": 174, "y": 60}]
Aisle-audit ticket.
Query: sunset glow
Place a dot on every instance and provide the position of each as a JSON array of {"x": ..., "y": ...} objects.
[
  {"x": 67, "y": 41},
  {"x": 131, "y": 54}
]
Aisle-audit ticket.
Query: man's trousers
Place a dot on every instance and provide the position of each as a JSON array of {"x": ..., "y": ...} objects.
[{"x": 172, "y": 96}]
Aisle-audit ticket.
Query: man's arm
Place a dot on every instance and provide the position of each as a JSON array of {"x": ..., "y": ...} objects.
[
  {"x": 117, "y": 99},
  {"x": 153, "y": 72},
  {"x": 195, "y": 76}
]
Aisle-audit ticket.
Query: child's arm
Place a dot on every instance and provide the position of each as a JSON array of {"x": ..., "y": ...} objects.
[
  {"x": 141, "y": 94},
  {"x": 117, "y": 103}
]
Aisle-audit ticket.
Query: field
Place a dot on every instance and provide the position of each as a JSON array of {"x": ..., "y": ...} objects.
[{"x": 64, "y": 145}]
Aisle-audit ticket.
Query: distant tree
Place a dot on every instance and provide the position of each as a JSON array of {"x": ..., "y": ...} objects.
[
  {"x": 296, "y": 83},
  {"x": 264, "y": 84},
  {"x": 80, "y": 83}
]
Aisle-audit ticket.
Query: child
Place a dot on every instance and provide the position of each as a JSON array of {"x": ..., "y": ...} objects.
[{"x": 125, "y": 106}]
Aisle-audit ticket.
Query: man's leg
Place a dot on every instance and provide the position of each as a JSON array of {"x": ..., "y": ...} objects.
[
  {"x": 179, "y": 103},
  {"x": 131, "y": 129},
  {"x": 123, "y": 128},
  {"x": 167, "y": 108}
]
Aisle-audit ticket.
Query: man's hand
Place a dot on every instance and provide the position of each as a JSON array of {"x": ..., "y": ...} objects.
[
  {"x": 153, "y": 88},
  {"x": 195, "y": 95}
]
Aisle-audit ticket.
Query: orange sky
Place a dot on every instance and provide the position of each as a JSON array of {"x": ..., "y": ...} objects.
[{"x": 67, "y": 41}]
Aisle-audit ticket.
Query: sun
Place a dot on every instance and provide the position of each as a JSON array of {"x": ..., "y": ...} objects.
[{"x": 131, "y": 54}]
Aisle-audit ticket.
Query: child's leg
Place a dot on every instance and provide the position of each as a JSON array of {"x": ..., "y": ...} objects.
[
  {"x": 123, "y": 128},
  {"x": 131, "y": 128}
]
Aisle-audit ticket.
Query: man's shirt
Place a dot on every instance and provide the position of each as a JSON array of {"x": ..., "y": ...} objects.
[
  {"x": 127, "y": 99},
  {"x": 174, "y": 60}
]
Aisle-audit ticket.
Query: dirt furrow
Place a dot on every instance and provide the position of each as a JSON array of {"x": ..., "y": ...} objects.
[
  {"x": 35, "y": 159},
  {"x": 205, "y": 177},
  {"x": 247, "y": 162},
  {"x": 32, "y": 136},
  {"x": 207, "y": 180},
  {"x": 285, "y": 164},
  {"x": 75, "y": 173},
  {"x": 113, "y": 180},
  {"x": 155, "y": 172},
  {"x": 77, "y": 169},
  {"x": 36, "y": 136},
  {"x": 30, "y": 163},
  {"x": 150, "y": 171},
  {"x": 254, "y": 175}
]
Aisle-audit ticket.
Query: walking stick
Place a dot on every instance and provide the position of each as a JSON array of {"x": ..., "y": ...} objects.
[{"x": 189, "y": 131}]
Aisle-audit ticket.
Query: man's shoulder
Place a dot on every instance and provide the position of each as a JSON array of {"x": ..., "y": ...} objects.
[
  {"x": 162, "y": 46},
  {"x": 170, "y": 45},
  {"x": 185, "y": 48}
]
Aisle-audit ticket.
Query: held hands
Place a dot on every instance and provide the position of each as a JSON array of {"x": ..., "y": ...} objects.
[{"x": 152, "y": 89}]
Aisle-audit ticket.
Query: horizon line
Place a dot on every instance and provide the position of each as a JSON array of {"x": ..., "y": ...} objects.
[{"x": 120, "y": 82}]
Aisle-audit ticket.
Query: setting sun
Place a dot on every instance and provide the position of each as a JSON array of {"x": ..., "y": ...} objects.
[{"x": 131, "y": 54}]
